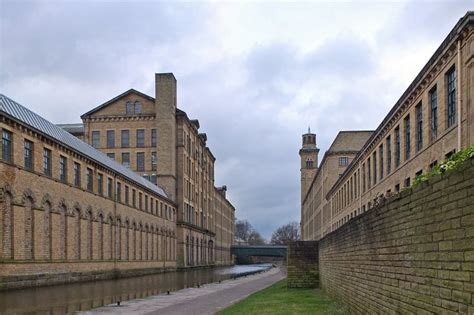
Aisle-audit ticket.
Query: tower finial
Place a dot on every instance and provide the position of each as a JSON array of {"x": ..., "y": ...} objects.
[{"x": 309, "y": 129}]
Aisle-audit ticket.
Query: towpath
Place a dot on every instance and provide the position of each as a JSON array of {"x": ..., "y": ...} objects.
[{"x": 208, "y": 299}]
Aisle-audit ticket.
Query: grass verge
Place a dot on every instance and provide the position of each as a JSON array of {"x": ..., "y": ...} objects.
[{"x": 278, "y": 299}]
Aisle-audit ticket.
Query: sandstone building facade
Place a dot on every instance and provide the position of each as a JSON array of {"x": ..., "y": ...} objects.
[
  {"x": 432, "y": 119},
  {"x": 158, "y": 141},
  {"x": 66, "y": 209},
  {"x": 315, "y": 212}
]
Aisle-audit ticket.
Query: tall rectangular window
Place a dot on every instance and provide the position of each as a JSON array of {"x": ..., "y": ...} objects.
[
  {"x": 7, "y": 146},
  {"x": 126, "y": 159},
  {"x": 375, "y": 166},
  {"x": 153, "y": 161},
  {"x": 134, "y": 198},
  {"x": 110, "y": 138},
  {"x": 100, "y": 184},
  {"x": 397, "y": 146},
  {"x": 140, "y": 206},
  {"x": 125, "y": 138},
  {"x": 89, "y": 179},
  {"x": 146, "y": 203},
  {"x": 62, "y": 168},
  {"x": 153, "y": 137},
  {"x": 381, "y": 166},
  {"x": 140, "y": 161},
  {"x": 369, "y": 176},
  {"x": 126, "y": 195},
  {"x": 47, "y": 162},
  {"x": 140, "y": 138},
  {"x": 419, "y": 126},
  {"x": 119, "y": 192},
  {"x": 28, "y": 153},
  {"x": 77, "y": 174},
  {"x": 389, "y": 154},
  {"x": 433, "y": 113},
  {"x": 96, "y": 139},
  {"x": 451, "y": 94},
  {"x": 110, "y": 188},
  {"x": 406, "y": 122}
]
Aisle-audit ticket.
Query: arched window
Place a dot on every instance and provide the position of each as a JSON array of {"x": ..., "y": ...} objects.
[
  {"x": 100, "y": 232},
  {"x": 63, "y": 231},
  {"x": 47, "y": 241},
  {"x": 309, "y": 163},
  {"x": 7, "y": 227},
  {"x": 77, "y": 213},
  {"x": 29, "y": 235},
  {"x": 89, "y": 234}
]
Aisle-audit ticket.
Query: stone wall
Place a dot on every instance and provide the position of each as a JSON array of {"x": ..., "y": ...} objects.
[
  {"x": 414, "y": 254},
  {"x": 303, "y": 264}
]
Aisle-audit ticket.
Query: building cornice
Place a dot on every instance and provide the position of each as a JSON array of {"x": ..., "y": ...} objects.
[{"x": 441, "y": 57}]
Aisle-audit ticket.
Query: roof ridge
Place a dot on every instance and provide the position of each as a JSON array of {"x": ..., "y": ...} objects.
[{"x": 30, "y": 118}]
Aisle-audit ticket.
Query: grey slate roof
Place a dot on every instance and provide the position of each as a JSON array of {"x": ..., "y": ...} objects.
[
  {"x": 26, "y": 116},
  {"x": 72, "y": 128}
]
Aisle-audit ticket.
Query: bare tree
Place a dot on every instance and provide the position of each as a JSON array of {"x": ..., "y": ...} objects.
[
  {"x": 256, "y": 239},
  {"x": 286, "y": 233},
  {"x": 244, "y": 232}
]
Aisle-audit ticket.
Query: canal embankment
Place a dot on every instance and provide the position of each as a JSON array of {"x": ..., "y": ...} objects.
[
  {"x": 82, "y": 296},
  {"x": 205, "y": 299}
]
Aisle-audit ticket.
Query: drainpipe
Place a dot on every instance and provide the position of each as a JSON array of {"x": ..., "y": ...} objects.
[{"x": 458, "y": 92}]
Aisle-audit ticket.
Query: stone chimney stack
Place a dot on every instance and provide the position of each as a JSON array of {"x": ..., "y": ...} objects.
[{"x": 165, "y": 103}]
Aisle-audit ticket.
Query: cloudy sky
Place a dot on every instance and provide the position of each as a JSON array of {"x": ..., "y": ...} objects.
[{"x": 255, "y": 74}]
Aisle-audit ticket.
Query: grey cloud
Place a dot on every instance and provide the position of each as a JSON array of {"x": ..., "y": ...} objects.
[{"x": 76, "y": 55}]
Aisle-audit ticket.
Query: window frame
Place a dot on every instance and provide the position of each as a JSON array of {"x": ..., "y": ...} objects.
[
  {"x": 28, "y": 154},
  {"x": 140, "y": 138},
  {"x": 95, "y": 138},
  {"x": 63, "y": 168},
  {"x": 110, "y": 138},
  {"x": 451, "y": 78},
  {"x": 47, "y": 159},
  {"x": 433, "y": 97}
]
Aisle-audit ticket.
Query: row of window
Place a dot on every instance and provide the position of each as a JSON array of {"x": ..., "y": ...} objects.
[
  {"x": 140, "y": 159},
  {"x": 124, "y": 138},
  {"x": 379, "y": 163},
  {"x": 143, "y": 202}
]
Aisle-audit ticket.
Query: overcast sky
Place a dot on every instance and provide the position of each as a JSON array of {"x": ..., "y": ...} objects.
[{"x": 255, "y": 74}]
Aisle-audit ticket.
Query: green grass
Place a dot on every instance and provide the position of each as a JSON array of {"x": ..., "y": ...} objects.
[{"x": 278, "y": 299}]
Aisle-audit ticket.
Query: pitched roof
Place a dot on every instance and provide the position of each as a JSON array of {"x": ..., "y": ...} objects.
[
  {"x": 72, "y": 128},
  {"x": 22, "y": 114},
  {"x": 350, "y": 140},
  {"x": 92, "y": 111}
]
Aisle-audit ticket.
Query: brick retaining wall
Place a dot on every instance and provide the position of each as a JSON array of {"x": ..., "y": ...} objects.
[
  {"x": 303, "y": 264},
  {"x": 415, "y": 254}
]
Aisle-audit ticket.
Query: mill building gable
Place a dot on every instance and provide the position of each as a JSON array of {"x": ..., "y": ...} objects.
[{"x": 129, "y": 103}]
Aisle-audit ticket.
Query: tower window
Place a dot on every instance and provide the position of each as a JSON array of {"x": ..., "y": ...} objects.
[
  {"x": 309, "y": 164},
  {"x": 343, "y": 161}
]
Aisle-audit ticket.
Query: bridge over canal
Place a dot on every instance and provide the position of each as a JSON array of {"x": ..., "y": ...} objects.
[{"x": 258, "y": 253}]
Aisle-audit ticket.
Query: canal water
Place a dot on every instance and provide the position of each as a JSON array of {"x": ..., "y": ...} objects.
[{"x": 67, "y": 298}]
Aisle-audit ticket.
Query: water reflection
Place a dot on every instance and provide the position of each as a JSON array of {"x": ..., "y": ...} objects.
[{"x": 67, "y": 298}]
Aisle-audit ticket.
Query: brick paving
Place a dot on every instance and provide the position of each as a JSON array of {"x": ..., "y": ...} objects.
[{"x": 208, "y": 299}]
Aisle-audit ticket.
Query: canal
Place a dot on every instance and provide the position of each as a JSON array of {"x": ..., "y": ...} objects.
[{"x": 67, "y": 298}]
